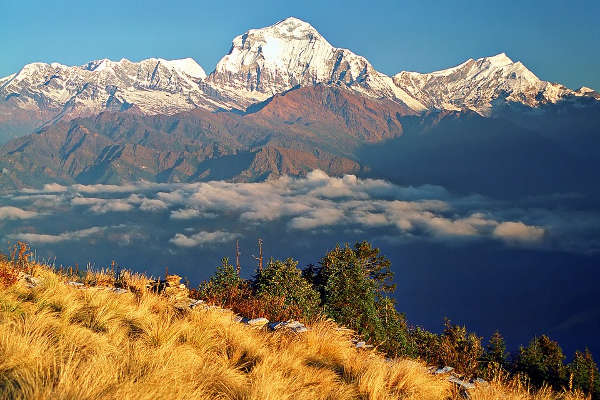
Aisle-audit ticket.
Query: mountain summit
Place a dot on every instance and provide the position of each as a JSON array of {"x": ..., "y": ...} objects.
[
  {"x": 261, "y": 63},
  {"x": 481, "y": 84},
  {"x": 267, "y": 61}
]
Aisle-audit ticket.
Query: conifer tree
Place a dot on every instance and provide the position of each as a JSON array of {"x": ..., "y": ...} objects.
[{"x": 585, "y": 374}]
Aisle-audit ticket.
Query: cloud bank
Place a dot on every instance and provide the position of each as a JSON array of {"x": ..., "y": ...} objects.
[{"x": 315, "y": 203}]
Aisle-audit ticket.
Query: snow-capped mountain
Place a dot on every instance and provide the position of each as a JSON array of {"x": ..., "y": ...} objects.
[
  {"x": 481, "y": 84},
  {"x": 261, "y": 63},
  {"x": 154, "y": 86},
  {"x": 271, "y": 60}
]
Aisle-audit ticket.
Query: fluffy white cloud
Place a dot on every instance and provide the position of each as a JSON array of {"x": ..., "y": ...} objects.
[
  {"x": 102, "y": 206},
  {"x": 153, "y": 205},
  {"x": 518, "y": 232},
  {"x": 9, "y": 212},
  {"x": 315, "y": 202},
  {"x": 186, "y": 213},
  {"x": 36, "y": 238},
  {"x": 203, "y": 238}
]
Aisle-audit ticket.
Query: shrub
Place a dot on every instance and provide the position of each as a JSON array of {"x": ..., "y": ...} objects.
[
  {"x": 396, "y": 340},
  {"x": 496, "y": 350},
  {"x": 283, "y": 280},
  {"x": 354, "y": 284},
  {"x": 542, "y": 360},
  {"x": 348, "y": 293},
  {"x": 8, "y": 275},
  {"x": 223, "y": 286},
  {"x": 584, "y": 374},
  {"x": 460, "y": 349},
  {"x": 425, "y": 345}
]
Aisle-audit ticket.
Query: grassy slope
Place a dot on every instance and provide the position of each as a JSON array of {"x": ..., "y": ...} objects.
[{"x": 60, "y": 342}]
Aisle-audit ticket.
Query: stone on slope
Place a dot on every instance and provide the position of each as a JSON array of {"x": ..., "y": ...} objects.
[{"x": 257, "y": 322}]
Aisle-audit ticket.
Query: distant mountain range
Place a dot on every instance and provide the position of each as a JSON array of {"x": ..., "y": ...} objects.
[{"x": 284, "y": 101}]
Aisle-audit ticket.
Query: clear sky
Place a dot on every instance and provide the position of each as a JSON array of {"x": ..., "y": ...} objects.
[{"x": 558, "y": 40}]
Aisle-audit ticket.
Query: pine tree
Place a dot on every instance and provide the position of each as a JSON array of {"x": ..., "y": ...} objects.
[
  {"x": 496, "y": 350},
  {"x": 585, "y": 374},
  {"x": 284, "y": 280},
  {"x": 543, "y": 361},
  {"x": 355, "y": 284}
]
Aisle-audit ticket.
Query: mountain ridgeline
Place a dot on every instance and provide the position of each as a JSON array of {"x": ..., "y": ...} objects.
[{"x": 285, "y": 101}]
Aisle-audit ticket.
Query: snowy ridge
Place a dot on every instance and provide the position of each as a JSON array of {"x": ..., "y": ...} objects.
[
  {"x": 481, "y": 84},
  {"x": 155, "y": 86},
  {"x": 261, "y": 63}
]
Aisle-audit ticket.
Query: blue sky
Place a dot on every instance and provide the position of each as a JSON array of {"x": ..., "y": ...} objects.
[{"x": 557, "y": 40}]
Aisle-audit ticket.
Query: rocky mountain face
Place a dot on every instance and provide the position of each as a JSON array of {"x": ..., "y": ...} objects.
[
  {"x": 285, "y": 101},
  {"x": 264, "y": 62},
  {"x": 292, "y": 133},
  {"x": 482, "y": 84},
  {"x": 261, "y": 63},
  {"x": 42, "y": 94}
]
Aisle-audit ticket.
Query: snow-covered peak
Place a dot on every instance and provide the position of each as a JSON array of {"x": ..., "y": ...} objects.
[
  {"x": 585, "y": 89},
  {"x": 154, "y": 86},
  {"x": 292, "y": 27},
  {"x": 187, "y": 66},
  {"x": 479, "y": 85},
  {"x": 289, "y": 44},
  {"x": 270, "y": 60},
  {"x": 499, "y": 60}
]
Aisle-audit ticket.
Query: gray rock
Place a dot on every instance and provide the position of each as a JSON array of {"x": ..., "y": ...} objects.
[
  {"x": 30, "y": 281},
  {"x": 237, "y": 318},
  {"x": 257, "y": 322},
  {"x": 294, "y": 326},
  {"x": 78, "y": 285},
  {"x": 118, "y": 290},
  {"x": 196, "y": 303},
  {"x": 462, "y": 384},
  {"x": 444, "y": 370}
]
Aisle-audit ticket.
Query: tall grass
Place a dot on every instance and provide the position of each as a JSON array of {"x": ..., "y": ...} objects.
[{"x": 61, "y": 342}]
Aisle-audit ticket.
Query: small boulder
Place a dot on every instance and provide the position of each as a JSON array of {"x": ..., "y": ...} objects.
[
  {"x": 238, "y": 318},
  {"x": 462, "y": 384},
  {"x": 257, "y": 322},
  {"x": 294, "y": 326},
  {"x": 30, "y": 281},
  {"x": 78, "y": 285},
  {"x": 444, "y": 370},
  {"x": 196, "y": 303}
]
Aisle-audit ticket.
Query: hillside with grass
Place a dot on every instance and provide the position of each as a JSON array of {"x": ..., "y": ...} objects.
[{"x": 67, "y": 333}]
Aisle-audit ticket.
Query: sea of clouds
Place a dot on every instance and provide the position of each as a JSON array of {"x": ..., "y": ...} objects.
[{"x": 216, "y": 212}]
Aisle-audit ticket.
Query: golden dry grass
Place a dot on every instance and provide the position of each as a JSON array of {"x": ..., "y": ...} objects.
[{"x": 60, "y": 342}]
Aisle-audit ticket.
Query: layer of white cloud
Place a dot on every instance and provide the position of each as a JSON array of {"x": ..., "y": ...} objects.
[
  {"x": 315, "y": 202},
  {"x": 203, "y": 238},
  {"x": 36, "y": 238},
  {"x": 12, "y": 213},
  {"x": 518, "y": 231}
]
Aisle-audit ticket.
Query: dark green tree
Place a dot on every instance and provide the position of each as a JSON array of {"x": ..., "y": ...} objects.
[
  {"x": 355, "y": 284},
  {"x": 284, "y": 280},
  {"x": 460, "y": 349},
  {"x": 222, "y": 283},
  {"x": 543, "y": 361},
  {"x": 496, "y": 350},
  {"x": 584, "y": 374},
  {"x": 424, "y": 345}
]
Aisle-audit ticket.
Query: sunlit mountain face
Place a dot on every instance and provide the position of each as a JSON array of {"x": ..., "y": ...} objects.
[{"x": 479, "y": 182}]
